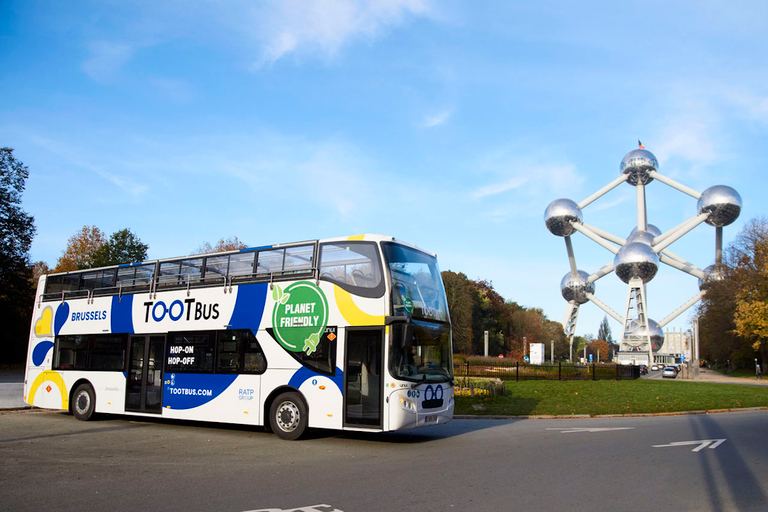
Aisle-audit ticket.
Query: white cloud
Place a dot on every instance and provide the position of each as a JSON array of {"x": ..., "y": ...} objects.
[
  {"x": 331, "y": 173},
  {"x": 748, "y": 104},
  {"x": 173, "y": 90},
  {"x": 325, "y": 26},
  {"x": 106, "y": 58},
  {"x": 430, "y": 121},
  {"x": 272, "y": 29},
  {"x": 689, "y": 137},
  {"x": 498, "y": 188},
  {"x": 73, "y": 155}
]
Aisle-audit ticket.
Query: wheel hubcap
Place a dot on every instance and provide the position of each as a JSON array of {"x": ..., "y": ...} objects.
[
  {"x": 82, "y": 403},
  {"x": 287, "y": 416}
]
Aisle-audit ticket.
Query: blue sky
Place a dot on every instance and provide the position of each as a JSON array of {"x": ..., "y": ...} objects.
[{"x": 449, "y": 124}]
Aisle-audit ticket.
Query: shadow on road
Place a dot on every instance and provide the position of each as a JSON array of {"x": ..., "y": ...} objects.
[
  {"x": 109, "y": 422},
  {"x": 727, "y": 465},
  {"x": 421, "y": 435}
]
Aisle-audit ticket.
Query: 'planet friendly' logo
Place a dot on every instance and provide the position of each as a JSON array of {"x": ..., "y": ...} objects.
[{"x": 300, "y": 316}]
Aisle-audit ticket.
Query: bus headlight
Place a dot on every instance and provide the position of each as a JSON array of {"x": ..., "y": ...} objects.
[{"x": 406, "y": 404}]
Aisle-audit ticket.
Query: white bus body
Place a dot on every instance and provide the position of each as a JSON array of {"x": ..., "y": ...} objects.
[{"x": 349, "y": 333}]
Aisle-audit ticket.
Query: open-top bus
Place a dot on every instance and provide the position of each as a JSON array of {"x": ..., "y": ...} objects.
[{"x": 347, "y": 333}]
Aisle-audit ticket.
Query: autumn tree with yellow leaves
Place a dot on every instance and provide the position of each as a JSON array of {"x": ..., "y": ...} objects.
[
  {"x": 734, "y": 312},
  {"x": 750, "y": 272}
]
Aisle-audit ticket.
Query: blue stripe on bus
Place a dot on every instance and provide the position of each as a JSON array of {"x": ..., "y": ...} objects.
[
  {"x": 248, "y": 249},
  {"x": 303, "y": 374},
  {"x": 249, "y": 307},
  {"x": 40, "y": 351},
  {"x": 62, "y": 314},
  {"x": 190, "y": 390},
  {"x": 122, "y": 314}
]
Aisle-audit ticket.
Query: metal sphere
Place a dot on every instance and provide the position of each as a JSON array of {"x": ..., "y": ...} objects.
[
  {"x": 575, "y": 288},
  {"x": 711, "y": 274},
  {"x": 636, "y": 259},
  {"x": 637, "y": 164},
  {"x": 645, "y": 237},
  {"x": 656, "y": 334},
  {"x": 559, "y": 216},
  {"x": 722, "y": 203}
]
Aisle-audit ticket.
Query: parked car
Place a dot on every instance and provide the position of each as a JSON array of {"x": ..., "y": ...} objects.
[
  {"x": 654, "y": 367},
  {"x": 669, "y": 372},
  {"x": 643, "y": 369}
]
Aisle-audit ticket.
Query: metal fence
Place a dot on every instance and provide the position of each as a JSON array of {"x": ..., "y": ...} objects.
[{"x": 560, "y": 371}]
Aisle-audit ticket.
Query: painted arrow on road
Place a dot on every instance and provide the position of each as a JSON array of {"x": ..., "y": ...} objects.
[
  {"x": 588, "y": 429},
  {"x": 702, "y": 443}
]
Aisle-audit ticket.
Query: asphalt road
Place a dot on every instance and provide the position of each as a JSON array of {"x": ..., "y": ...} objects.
[{"x": 49, "y": 459}]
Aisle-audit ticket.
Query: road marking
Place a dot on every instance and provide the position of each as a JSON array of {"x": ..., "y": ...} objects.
[
  {"x": 310, "y": 508},
  {"x": 571, "y": 430},
  {"x": 702, "y": 443}
]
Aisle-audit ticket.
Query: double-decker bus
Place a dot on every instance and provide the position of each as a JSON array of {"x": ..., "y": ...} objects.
[{"x": 345, "y": 333}]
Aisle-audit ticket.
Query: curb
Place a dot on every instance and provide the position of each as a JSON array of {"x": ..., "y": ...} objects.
[{"x": 586, "y": 416}]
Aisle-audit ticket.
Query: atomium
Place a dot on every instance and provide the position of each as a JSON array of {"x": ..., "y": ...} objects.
[
  {"x": 560, "y": 216},
  {"x": 576, "y": 287},
  {"x": 636, "y": 259},
  {"x": 638, "y": 332},
  {"x": 637, "y": 164},
  {"x": 711, "y": 274},
  {"x": 645, "y": 236},
  {"x": 722, "y": 203}
]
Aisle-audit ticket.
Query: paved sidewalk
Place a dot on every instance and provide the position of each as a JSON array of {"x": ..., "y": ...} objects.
[
  {"x": 12, "y": 390},
  {"x": 707, "y": 375}
]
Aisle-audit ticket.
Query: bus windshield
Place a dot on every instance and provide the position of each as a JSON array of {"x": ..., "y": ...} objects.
[
  {"x": 417, "y": 287},
  {"x": 421, "y": 351},
  {"x": 420, "y": 345}
]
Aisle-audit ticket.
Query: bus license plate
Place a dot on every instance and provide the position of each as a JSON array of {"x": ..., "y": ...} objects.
[{"x": 430, "y": 419}]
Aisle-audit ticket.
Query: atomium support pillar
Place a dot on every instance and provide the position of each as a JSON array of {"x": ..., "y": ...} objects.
[{"x": 636, "y": 344}]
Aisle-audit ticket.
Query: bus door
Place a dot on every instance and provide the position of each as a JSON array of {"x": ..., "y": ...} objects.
[
  {"x": 363, "y": 378},
  {"x": 145, "y": 374}
]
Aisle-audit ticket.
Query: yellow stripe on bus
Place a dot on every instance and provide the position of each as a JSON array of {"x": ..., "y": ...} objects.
[
  {"x": 351, "y": 312},
  {"x": 55, "y": 377},
  {"x": 355, "y": 238}
]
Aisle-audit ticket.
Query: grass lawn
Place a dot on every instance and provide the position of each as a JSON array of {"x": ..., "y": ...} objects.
[{"x": 611, "y": 397}]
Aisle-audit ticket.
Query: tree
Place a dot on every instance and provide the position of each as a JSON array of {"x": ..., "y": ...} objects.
[
  {"x": 600, "y": 349},
  {"x": 732, "y": 313},
  {"x": 579, "y": 342},
  {"x": 604, "y": 331},
  {"x": 17, "y": 229},
  {"x": 460, "y": 296},
  {"x": 228, "y": 244},
  {"x": 122, "y": 247},
  {"x": 555, "y": 332},
  {"x": 719, "y": 340},
  {"x": 80, "y": 251},
  {"x": 750, "y": 272}
]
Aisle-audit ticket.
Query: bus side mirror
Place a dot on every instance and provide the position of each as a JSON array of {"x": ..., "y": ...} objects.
[{"x": 407, "y": 338}]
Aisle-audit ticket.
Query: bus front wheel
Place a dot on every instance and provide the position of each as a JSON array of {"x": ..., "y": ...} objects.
[
  {"x": 83, "y": 402},
  {"x": 288, "y": 416}
]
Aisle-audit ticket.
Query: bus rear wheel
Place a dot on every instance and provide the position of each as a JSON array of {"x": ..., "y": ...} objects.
[
  {"x": 288, "y": 416},
  {"x": 83, "y": 402}
]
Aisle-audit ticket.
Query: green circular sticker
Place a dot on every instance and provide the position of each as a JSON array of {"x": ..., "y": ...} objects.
[
  {"x": 300, "y": 316},
  {"x": 408, "y": 304}
]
